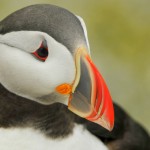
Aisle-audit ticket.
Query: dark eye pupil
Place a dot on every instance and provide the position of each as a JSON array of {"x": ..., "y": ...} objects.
[{"x": 42, "y": 52}]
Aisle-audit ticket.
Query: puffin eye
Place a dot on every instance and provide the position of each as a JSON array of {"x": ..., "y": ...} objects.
[{"x": 41, "y": 53}]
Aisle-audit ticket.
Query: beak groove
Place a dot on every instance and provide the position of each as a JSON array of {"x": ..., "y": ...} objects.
[{"x": 103, "y": 112}]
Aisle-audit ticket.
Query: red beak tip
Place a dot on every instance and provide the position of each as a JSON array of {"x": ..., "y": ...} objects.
[
  {"x": 106, "y": 124},
  {"x": 110, "y": 127}
]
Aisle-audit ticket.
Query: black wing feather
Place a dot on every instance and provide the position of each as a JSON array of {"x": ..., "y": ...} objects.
[{"x": 126, "y": 135}]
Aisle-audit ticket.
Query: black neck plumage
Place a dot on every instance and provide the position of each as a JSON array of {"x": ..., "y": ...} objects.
[{"x": 54, "y": 120}]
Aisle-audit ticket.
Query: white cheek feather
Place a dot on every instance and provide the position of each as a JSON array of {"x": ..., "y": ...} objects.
[
  {"x": 24, "y": 40},
  {"x": 27, "y": 76},
  {"x": 30, "y": 139}
]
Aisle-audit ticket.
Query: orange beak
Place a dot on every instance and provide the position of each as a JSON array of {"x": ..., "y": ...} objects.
[{"x": 89, "y": 95}]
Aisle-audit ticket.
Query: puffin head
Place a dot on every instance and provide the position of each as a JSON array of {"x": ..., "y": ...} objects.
[{"x": 45, "y": 57}]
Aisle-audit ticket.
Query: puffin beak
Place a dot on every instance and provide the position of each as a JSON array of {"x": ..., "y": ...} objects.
[{"x": 89, "y": 96}]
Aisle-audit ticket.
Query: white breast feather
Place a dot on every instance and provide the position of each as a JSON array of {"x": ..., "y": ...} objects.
[{"x": 30, "y": 139}]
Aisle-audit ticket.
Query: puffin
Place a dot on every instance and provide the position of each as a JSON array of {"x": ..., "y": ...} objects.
[{"x": 52, "y": 96}]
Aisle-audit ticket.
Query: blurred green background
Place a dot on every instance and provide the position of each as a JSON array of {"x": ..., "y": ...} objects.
[{"x": 119, "y": 36}]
